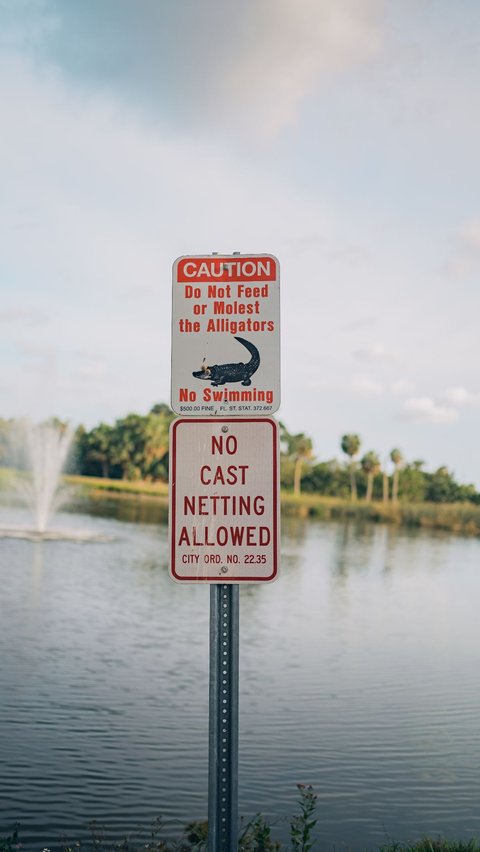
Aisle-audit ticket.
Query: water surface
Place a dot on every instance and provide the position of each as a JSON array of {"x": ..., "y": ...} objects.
[{"x": 359, "y": 675}]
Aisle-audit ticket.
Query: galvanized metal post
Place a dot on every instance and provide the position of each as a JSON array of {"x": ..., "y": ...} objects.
[{"x": 223, "y": 719}]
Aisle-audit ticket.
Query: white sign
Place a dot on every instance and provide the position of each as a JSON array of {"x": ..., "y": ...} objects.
[
  {"x": 226, "y": 335},
  {"x": 224, "y": 500}
]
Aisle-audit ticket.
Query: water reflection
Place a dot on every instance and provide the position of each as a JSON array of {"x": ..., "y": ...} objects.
[
  {"x": 142, "y": 510},
  {"x": 384, "y": 548},
  {"x": 294, "y": 530}
]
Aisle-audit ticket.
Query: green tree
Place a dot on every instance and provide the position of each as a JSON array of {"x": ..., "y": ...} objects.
[
  {"x": 77, "y": 455},
  {"x": 156, "y": 438},
  {"x": 128, "y": 444},
  {"x": 413, "y": 481},
  {"x": 140, "y": 444},
  {"x": 397, "y": 458},
  {"x": 350, "y": 444},
  {"x": 95, "y": 450},
  {"x": 385, "y": 482},
  {"x": 330, "y": 478},
  {"x": 6, "y": 433},
  {"x": 371, "y": 466},
  {"x": 297, "y": 449},
  {"x": 135, "y": 447},
  {"x": 441, "y": 487},
  {"x": 163, "y": 410},
  {"x": 302, "y": 451}
]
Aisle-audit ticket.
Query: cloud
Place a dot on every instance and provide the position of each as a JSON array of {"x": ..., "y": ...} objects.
[
  {"x": 424, "y": 409},
  {"x": 246, "y": 65},
  {"x": 366, "y": 387},
  {"x": 352, "y": 256},
  {"x": 291, "y": 46},
  {"x": 19, "y": 314},
  {"x": 470, "y": 234},
  {"x": 362, "y": 323},
  {"x": 465, "y": 259},
  {"x": 402, "y": 386},
  {"x": 461, "y": 396},
  {"x": 375, "y": 352},
  {"x": 91, "y": 370},
  {"x": 117, "y": 202}
]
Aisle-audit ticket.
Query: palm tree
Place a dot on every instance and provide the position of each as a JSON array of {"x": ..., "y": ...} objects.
[
  {"x": 370, "y": 465},
  {"x": 155, "y": 448},
  {"x": 386, "y": 483},
  {"x": 350, "y": 445},
  {"x": 299, "y": 449},
  {"x": 397, "y": 458}
]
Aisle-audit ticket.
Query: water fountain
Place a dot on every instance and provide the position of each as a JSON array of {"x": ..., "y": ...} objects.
[
  {"x": 45, "y": 449},
  {"x": 48, "y": 447}
]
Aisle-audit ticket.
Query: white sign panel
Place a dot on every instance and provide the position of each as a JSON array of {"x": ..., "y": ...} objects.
[
  {"x": 224, "y": 500},
  {"x": 226, "y": 335}
]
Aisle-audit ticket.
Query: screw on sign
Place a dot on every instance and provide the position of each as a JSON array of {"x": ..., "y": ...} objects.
[
  {"x": 224, "y": 524},
  {"x": 226, "y": 336}
]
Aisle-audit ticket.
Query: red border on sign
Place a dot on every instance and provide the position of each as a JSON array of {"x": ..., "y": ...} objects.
[{"x": 173, "y": 503}]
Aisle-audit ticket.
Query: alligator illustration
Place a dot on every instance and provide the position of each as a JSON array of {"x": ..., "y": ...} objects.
[{"x": 219, "y": 374}]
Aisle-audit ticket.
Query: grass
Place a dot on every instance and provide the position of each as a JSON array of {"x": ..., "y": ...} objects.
[
  {"x": 7, "y": 477},
  {"x": 456, "y": 517},
  {"x": 119, "y": 487},
  {"x": 429, "y": 844}
]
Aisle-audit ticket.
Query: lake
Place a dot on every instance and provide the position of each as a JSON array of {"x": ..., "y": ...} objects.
[{"x": 359, "y": 674}]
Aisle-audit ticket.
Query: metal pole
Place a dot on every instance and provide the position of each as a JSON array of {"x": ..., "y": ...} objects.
[{"x": 223, "y": 719}]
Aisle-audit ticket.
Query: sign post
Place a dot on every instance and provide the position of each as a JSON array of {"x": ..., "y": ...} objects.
[
  {"x": 224, "y": 474},
  {"x": 223, "y": 719}
]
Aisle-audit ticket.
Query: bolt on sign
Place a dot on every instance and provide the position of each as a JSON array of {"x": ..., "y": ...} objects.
[
  {"x": 226, "y": 335},
  {"x": 224, "y": 506}
]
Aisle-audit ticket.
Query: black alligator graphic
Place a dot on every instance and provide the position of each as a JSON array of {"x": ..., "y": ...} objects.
[{"x": 219, "y": 374}]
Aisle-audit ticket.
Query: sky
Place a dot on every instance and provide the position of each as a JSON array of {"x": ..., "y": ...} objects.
[{"x": 342, "y": 136}]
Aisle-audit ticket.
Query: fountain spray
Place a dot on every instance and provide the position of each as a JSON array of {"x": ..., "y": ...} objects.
[{"x": 48, "y": 445}]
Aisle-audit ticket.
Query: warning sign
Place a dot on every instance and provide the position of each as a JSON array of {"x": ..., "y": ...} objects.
[
  {"x": 226, "y": 335},
  {"x": 224, "y": 500}
]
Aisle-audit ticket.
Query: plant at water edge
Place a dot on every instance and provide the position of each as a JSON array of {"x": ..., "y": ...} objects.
[
  {"x": 429, "y": 844},
  {"x": 256, "y": 837},
  {"x": 301, "y": 826},
  {"x": 193, "y": 839},
  {"x": 10, "y": 843}
]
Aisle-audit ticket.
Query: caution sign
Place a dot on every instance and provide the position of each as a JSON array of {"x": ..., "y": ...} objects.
[
  {"x": 224, "y": 500},
  {"x": 226, "y": 335}
]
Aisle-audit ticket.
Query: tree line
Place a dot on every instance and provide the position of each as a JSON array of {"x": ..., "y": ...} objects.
[
  {"x": 365, "y": 477},
  {"x": 136, "y": 447}
]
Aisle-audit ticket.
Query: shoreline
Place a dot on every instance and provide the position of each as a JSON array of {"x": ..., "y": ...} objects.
[
  {"x": 458, "y": 518},
  {"x": 462, "y": 518}
]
